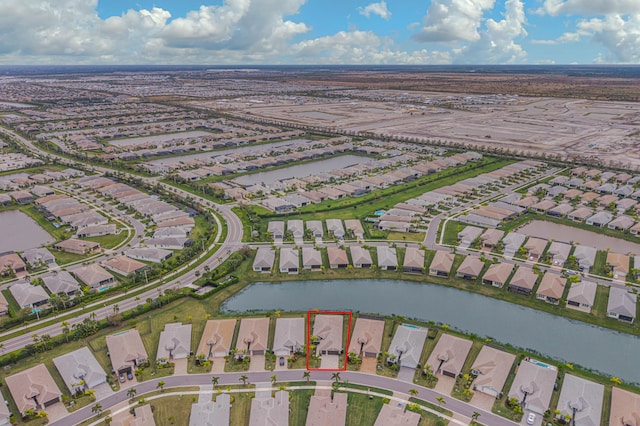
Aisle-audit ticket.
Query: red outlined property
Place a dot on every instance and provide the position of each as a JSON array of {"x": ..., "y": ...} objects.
[{"x": 328, "y": 328}]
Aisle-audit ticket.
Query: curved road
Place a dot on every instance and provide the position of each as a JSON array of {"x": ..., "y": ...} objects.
[
  {"x": 395, "y": 385},
  {"x": 232, "y": 242}
]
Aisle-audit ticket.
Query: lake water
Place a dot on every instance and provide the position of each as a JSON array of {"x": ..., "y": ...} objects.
[
  {"x": 20, "y": 232},
  {"x": 302, "y": 170},
  {"x": 566, "y": 340}
]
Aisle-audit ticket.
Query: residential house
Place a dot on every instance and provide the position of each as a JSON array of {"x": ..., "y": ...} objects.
[
  {"x": 533, "y": 385},
  {"x": 311, "y": 259},
  {"x": 448, "y": 357},
  {"x": 413, "y": 260},
  {"x": 441, "y": 264},
  {"x": 619, "y": 264},
  {"x": 315, "y": 227},
  {"x": 60, "y": 282},
  {"x": 327, "y": 410},
  {"x": 123, "y": 265},
  {"x": 512, "y": 243},
  {"x": 94, "y": 276},
  {"x": 4, "y": 310},
  {"x": 406, "y": 346},
  {"x": 337, "y": 257},
  {"x": 558, "y": 253},
  {"x": 582, "y": 400},
  {"x": 361, "y": 257},
  {"x": 334, "y": 226},
  {"x": 27, "y": 295},
  {"x": 391, "y": 415},
  {"x": 551, "y": 288},
  {"x": 33, "y": 389},
  {"x": 289, "y": 260},
  {"x": 490, "y": 238},
  {"x": 497, "y": 274},
  {"x": 253, "y": 336},
  {"x": 146, "y": 254},
  {"x": 580, "y": 214},
  {"x": 470, "y": 268},
  {"x": 387, "y": 258},
  {"x": 264, "y": 259},
  {"x": 76, "y": 246},
  {"x": 126, "y": 351},
  {"x": 585, "y": 256},
  {"x": 80, "y": 370},
  {"x": 468, "y": 235},
  {"x": 621, "y": 304},
  {"x": 523, "y": 281},
  {"x": 170, "y": 243},
  {"x": 600, "y": 219},
  {"x": 11, "y": 263},
  {"x": 328, "y": 331},
  {"x": 289, "y": 337},
  {"x": 207, "y": 413},
  {"x": 174, "y": 343},
  {"x": 276, "y": 229},
  {"x": 621, "y": 223},
  {"x": 268, "y": 411},
  {"x": 216, "y": 338},
  {"x": 37, "y": 257},
  {"x": 354, "y": 227},
  {"x": 366, "y": 338},
  {"x": 625, "y": 407},
  {"x": 535, "y": 247},
  {"x": 582, "y": 295},
  {"x": 491, "y": 369},
  {"x": 296, "y": 229}
]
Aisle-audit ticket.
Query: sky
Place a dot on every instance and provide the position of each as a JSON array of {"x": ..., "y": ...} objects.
[{"x": 238, "y": 32}]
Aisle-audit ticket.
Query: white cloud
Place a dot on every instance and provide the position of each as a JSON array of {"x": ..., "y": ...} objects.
[
  {"x": 361, "y": 47},
  {"x": 453, "y": 20},
  {"x": 589, "y": 7},
  {"x": 497, "y": 42},
  {"x": 379, "y": 9}
]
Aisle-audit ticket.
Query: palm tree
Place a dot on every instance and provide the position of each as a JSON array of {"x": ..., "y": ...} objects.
[
  {"x": 441, "y": 401},
  {"x": 335, "y": 377},
  {"x": 274, "y": 379},
  {"x": 307, "y": 375},
  {"x": 413, "y": 392},
  {"x": 65, "y": 329},
  {"x": 131, "y": 393},
  {"x": 215, "y": 380},
  {"x": 244, "y": 379},
  {"x": 475, "y": 416},
  {"x": 160, "y": 386},
  {"x": 97, "y": 408}
]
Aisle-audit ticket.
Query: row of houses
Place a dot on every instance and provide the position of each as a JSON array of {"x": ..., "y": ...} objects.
[
  {"x": 298, "y": 229},
  {"x": 355, "y": 181},
  {"x": 69, "y": 211},
  {"x": 17, "y": 181}
]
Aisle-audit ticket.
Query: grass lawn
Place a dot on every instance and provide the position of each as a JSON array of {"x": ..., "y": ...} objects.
[
  {"x": 451, "y": 230},
  {"x": 414, "y": 237},
  {"x": 109, "y": 241},
  {"x": 362, "y": 410},
  {"x": 172, "y": 410},
  {"x": 299, "y": 406},
  {"x": 241, "y": 408}
]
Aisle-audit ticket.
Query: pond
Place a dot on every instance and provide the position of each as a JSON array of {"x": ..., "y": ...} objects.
[
  {"x": 566, "y": 340},
  {"x": 20, "y": 232},
  {"x": 302, "y": 170}
]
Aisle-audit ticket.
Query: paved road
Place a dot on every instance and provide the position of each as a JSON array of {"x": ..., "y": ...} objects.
[
  {"x": 365, "y": 379},
  {"x": 232, "y": 242}
]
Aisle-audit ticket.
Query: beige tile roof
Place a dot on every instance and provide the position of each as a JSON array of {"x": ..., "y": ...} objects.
[
  {"x": 36, "y": 382},
  {"x": 216, "y": 338},
  {"x": 366, "y": 336},
  {"x": 326, "y": 412}
]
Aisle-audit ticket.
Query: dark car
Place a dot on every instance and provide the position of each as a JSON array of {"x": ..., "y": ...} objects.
[
  {"x": 281, "y": 361},
  {"x": 129, "y": 375}
]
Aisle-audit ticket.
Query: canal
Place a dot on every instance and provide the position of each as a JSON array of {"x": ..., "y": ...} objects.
[{"x": 566, "y": 340}]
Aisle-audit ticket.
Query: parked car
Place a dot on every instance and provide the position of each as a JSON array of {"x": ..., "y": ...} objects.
[
  {"x": 129, "y": 375},
  {"x": 281, "y": 361},
  {"x": 531, "y": 418},
  {"x": 121, "y": 378}
]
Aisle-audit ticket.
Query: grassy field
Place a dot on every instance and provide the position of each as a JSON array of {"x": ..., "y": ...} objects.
[
  {"x": 172, "y": 410},
  {"x": 299, "y": 406},
  {"x": 363, "y": 410},
  {"x": 241, "y": 409}
]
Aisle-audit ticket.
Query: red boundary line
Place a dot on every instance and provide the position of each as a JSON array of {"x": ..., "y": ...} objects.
[{"x": 308, "y": 348}]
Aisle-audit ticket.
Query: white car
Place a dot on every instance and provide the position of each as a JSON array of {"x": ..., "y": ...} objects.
[{"x": 531, "y": 418}]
